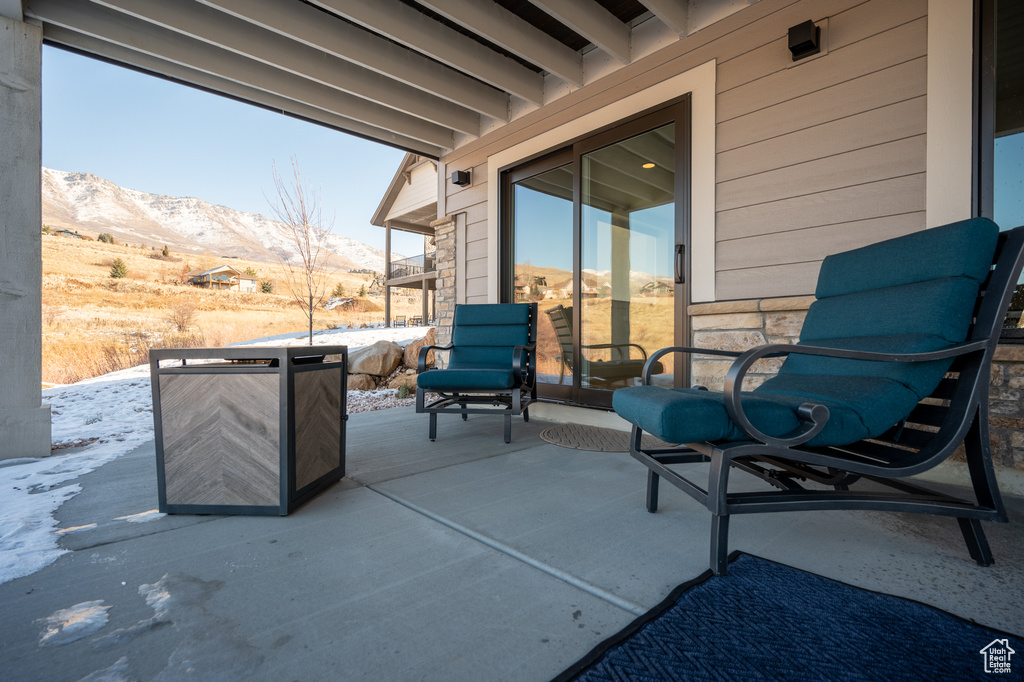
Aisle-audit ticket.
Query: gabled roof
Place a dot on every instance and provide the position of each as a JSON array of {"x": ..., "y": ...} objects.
[
  {"x": 219, "y": 268},
  {"x": 420, "y": 214}
]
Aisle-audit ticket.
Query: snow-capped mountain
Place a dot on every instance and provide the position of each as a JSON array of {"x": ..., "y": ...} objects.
[{"x": 85, "y": 202}]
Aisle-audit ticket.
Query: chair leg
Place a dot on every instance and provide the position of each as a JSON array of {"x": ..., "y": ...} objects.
[
  {"x": 526, "y": 414},
  {"x": 433, "y": 426},
  {"x": 718, "y": 486},
  {"x": 508, "y": 428},
  {"x": 719, "y": 544},
  {"x": 977, "y": 544},
  {"x": 652, "y": 491}
]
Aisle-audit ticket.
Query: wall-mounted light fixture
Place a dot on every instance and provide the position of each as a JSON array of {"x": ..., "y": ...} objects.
[
  {"x": 804, "y": 40},
  {"x": 460, "y": 178},
  {"x": 648, "y": 165}
]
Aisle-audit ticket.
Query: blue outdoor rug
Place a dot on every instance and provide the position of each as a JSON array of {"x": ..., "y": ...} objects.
[{"x": 767, "y": 621}]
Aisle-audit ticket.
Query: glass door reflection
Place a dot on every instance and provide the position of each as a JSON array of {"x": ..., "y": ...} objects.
[
  {"x": 627, "y": 240},
  {"x": 542, "y": 234}
]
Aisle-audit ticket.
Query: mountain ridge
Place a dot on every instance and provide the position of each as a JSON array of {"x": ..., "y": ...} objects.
[{"x": 88, "y": 203}]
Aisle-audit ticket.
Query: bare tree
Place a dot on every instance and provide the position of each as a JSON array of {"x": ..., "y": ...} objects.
[
  {"x": 298, "y": 207},
  {"x": 182, "y": 314}
]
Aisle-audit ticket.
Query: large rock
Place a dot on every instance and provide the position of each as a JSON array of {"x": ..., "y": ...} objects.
[
  {"x": 361, "y": 382},
  {"x": 412, "y": 351},
  {"x": 380, "y": 359},
  {"x": 408, "y": 380}
]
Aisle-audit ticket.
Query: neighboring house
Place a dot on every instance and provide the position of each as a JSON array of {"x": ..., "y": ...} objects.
[
  {"x": 69, "y": 233},
  {"x": 589, "y": 288},
  {"x": 522, "y": 292},
  {"x": 655, "y": 288},
  {"x": 410, "y": 205},
  {"x": 685, "y": 137},
  {"x": 223, "y": 277}
]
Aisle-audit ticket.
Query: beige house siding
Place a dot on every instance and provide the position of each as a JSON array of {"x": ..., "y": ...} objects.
[
  {"x": 811, "y": 157},
  {"x": 820, "y": 156},
  {"x": 421, "y": 190},
  {"x": 472, "y": 202}
]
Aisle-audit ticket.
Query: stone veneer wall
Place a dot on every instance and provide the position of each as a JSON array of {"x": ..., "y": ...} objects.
[
  {"x": 444, "y": 240},
  {"x": 738, "y": 325}
]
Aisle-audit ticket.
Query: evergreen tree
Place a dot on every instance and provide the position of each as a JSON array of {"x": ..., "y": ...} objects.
[
  {"x": 119, "y": 269},
  {"x": 166, "y": 252},
  {"x": 339, "y": 291}
]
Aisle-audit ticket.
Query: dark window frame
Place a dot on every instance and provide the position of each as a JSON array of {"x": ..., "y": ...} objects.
[
  {"x": 678, "y": 111},
  {"x": 983, "y": 194}
]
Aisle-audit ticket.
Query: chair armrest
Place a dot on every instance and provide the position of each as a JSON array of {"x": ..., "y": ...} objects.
[
  {"x": 645, "y": 375},
  {"x": 421, "y": 361},
  {"x": 606, "y": 346},
  {"x": 525, "y": 373},
  {"x": 812, "y": 416}
]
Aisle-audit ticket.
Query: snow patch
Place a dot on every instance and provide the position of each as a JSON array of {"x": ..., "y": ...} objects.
[
  {"x": 142, "y": 517},
  {"x": 72, "y": 624},
  {"x": 31, "y": 489}
]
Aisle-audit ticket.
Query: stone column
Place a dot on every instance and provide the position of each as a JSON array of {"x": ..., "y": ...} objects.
[
  {"x": 24, "y": 421},
  {"x": 444, "y": 240}
]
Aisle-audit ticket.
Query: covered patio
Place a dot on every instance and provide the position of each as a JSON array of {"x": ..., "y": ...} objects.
[{"x": 463, "y": 559}]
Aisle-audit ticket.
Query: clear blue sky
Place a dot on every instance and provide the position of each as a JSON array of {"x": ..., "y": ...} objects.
[{"x": 152, "y": 135}]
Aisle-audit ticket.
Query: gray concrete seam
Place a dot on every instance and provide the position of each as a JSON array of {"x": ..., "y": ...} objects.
[{"x": 556, "y": 573}]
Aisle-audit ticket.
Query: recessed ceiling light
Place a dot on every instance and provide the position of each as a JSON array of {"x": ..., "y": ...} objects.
[{"x": 648, "y": 165}]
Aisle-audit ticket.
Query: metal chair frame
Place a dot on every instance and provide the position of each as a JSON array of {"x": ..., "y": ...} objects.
[
  {"x": 956, "y": 413},
  {"x": 513, "y": 402}
]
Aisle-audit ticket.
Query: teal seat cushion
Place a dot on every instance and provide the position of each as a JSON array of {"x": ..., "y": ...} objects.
[
  {"x": 859, "y": 407},
  {"x": 689, "y": 415},
  {"x": 484, "y": 334},
  {"x": 961, "y": 249},
  {"x": 919, "y": 377},
  {"x": 911, "y": 294},
  {"x": 466, "y": 379}
]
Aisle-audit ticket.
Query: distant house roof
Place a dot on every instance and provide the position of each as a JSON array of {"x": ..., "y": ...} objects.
[
  {"x": 219, "y": 269},
  {"x": 589, "y": 285}
]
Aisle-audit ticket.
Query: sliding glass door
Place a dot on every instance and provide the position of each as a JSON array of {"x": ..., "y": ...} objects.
[
  {"x": 596, "y": 234},
  {"x": 541, "y": 204}
]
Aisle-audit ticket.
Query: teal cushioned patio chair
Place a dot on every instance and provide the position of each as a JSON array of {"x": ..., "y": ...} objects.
[
  {"x": 492, "y": 362},
  {"x": 889, "y": 377}
]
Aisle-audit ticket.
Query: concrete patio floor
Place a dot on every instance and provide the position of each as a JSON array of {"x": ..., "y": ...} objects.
[{"x": 462, "y": 559}]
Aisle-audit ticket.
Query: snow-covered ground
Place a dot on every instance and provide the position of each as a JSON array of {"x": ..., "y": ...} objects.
[{"x": 109, "y": 416}]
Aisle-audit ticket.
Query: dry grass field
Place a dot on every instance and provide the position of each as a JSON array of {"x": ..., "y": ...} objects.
[{"x": 94, "y": 324}]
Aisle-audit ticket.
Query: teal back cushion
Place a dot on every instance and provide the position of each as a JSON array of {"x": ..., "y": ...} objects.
[
  {"x": 910, "y": 294},
  {"x": 483, "y": 335}
]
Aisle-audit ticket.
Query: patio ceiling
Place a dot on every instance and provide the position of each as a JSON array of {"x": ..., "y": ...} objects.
[{"x": 421, "y": 75}]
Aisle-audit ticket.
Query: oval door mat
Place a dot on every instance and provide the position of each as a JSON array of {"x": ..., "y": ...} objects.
[{"x": 580, "y": 437}]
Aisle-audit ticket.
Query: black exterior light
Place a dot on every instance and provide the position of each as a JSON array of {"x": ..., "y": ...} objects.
[
  {"x": 460, "y": 178},
  {"x": 804, "y": 40}
]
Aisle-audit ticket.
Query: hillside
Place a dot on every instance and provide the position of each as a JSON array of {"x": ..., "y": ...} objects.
[
  {"x": 91, "y": 205},
  {"x": 94, "y": 324}
]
